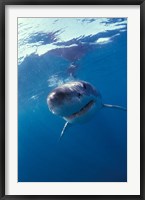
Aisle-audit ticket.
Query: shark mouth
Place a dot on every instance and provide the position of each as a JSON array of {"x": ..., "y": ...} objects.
[{"x": 81, "y": 112}]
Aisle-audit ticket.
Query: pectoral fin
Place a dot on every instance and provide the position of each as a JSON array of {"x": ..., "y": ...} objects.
[
  {"x": 64, "y": 129},
  {"x": 114, "y": 106}
]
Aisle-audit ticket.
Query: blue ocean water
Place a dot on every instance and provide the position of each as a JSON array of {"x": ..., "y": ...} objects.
[{"x": 95, "y": 151}]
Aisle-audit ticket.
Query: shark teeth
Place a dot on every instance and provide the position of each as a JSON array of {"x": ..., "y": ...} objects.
[{"x": 82, "y": 111}]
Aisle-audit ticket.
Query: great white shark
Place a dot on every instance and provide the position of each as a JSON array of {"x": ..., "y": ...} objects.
[{"x": 76, "y": 102}]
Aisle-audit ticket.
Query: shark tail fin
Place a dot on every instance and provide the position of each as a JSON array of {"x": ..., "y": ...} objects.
[
  {"x": 114, "y": 106},
  {"x": 63, "y": 130}
]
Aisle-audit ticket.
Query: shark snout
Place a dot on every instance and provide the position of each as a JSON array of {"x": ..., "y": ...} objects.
[{"x": 56, "y": 98}]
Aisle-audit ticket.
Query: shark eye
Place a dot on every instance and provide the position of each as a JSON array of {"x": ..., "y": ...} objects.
[{"x": 79, "y": 95}]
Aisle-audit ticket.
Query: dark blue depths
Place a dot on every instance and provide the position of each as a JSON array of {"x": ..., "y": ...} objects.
[{"x": 92, "y": 152}]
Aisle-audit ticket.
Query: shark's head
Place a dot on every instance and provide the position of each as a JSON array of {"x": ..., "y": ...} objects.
[{"x": 74, "y": 101}]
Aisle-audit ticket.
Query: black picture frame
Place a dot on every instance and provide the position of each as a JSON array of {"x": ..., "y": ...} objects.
[{"x": 3, "y": 3}]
